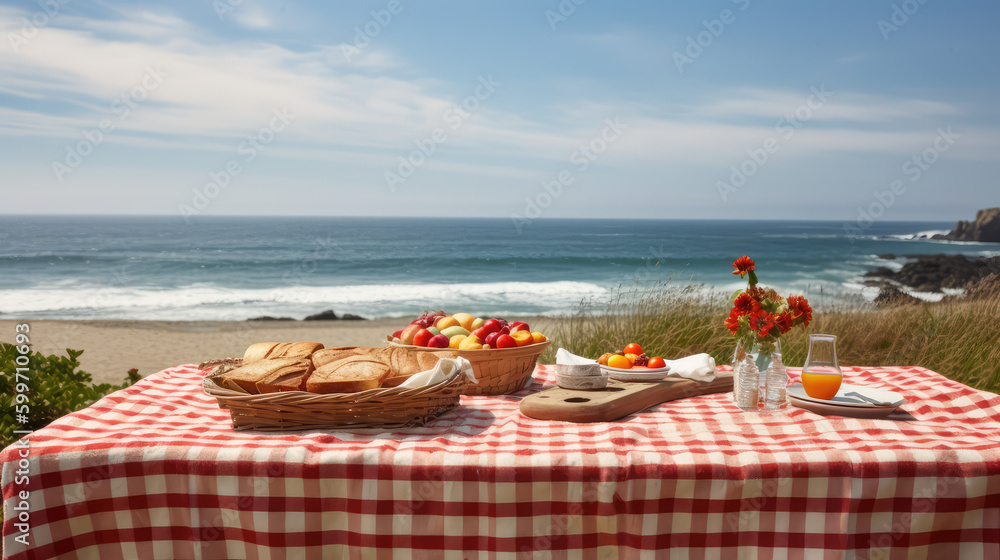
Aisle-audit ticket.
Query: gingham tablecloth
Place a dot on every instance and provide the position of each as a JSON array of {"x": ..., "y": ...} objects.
[{"x": 156, "y": 471}]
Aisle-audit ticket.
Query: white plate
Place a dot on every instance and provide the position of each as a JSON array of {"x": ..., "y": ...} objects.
[
  {"x": 644, "y": 374},
  {"x": 894, "y": 399},
  {"x": 838, "y": 410}
]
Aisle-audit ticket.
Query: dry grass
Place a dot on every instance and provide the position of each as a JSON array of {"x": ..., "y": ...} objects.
[{"x": 958, "y": 339}]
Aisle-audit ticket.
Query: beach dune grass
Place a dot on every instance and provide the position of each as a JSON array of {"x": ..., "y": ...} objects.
[{"x": 959, "y": 339}]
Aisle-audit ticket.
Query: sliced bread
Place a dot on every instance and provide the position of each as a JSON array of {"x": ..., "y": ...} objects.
[
  {"x": 327, "y": 355},
  {"x": 348, "y": 375},
  {"x": 270, "y": 376}
]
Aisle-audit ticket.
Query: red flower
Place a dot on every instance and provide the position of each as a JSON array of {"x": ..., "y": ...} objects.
[
  {"x": 733, "y": 322},
  {"x": 798, "y": 306},
  {"x": 762, "y": 322},
  {"x": 743, "y": 265},
  {"x": 784, "y": 322},
  {"x": 745, "y": 304}
]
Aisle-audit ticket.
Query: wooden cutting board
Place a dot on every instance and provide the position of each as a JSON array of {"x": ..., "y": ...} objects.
[{"x": 618, "y": 400}]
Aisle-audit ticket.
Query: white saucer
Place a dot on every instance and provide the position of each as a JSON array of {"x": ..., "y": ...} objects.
[
  {"x": 892, "y": 398},
  {"x": 636, "y": 374}
]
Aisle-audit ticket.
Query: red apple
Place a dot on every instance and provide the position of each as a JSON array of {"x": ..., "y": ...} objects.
[
  {"x": 438, "y": 341},
  {"x": 491, "y": 339},
  {"x": 506, "y": 341},
  {"x": 491, "y": 326},
  {"x": 519, "y": 326},
  {"x": 481, "y": 333},
  {"x": 422, "y": 337},
  {"x": 397, "y": 333},
  {"x": 406, "y": 337},
  {"x": 503, "y": 322}
]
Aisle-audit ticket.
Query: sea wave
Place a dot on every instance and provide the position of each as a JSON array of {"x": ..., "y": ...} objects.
[
  {"x": 929, "y": 234},
  {"x": 208, "y": 303}
]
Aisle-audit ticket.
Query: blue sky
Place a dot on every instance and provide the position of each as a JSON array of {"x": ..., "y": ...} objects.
[{"x": 640, "y": 109}]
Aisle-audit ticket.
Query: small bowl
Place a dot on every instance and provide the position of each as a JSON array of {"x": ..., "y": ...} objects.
[{"x": 584, "y": 370}]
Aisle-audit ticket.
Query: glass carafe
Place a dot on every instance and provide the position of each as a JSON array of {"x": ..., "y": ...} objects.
[{"x": 821, "y": 375}]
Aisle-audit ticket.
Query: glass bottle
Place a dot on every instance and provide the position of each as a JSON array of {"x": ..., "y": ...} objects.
[{"x": 821, "y": 374}]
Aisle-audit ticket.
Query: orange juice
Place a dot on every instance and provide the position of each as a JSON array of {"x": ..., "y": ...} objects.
[{"x": 820, "y": 384}]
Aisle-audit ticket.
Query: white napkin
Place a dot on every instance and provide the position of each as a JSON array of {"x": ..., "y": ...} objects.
[
  {"x": 700, "y": 367},
  {"x": 443, "y": 370},
  {"x": 565, "y": 358}
]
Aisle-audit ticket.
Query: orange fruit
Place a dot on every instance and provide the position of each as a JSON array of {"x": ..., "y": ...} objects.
[
  {"x": 523, "y": 338},
  {"x": 537, "y": 337},
  {"x": 631, "y": 357},
  {"x": 620, "y": 362}
]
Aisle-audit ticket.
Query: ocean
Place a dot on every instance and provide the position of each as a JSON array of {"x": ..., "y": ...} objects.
[{"x": 235, "y": 268}]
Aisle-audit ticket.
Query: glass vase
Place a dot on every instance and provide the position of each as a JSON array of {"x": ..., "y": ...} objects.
[{"x": 759, "y": 377}]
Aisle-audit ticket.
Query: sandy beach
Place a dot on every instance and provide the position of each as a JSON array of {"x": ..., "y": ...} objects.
[{"x": 111, "y": 348}]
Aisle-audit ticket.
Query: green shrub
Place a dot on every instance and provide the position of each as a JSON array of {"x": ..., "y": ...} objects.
[{"x": 56, "y": 388}]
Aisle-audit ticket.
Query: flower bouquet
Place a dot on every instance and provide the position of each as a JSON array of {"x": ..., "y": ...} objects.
[{"x": 758, "y": 319}]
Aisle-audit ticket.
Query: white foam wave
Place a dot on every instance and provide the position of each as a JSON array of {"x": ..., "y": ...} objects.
[
  {"x": 204, "y": 303},
  {"x": 929, "y": 234}
]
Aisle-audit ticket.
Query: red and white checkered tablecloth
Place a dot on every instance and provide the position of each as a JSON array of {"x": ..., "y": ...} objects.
[{"x": 156, "y": 471}]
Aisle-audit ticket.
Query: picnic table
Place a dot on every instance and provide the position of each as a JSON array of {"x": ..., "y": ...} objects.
[{"x": 156, "y": 471}]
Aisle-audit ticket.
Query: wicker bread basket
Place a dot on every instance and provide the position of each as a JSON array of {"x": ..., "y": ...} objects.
[
  {"x": 394, "y": 407},
  {"x": 499, "y": 371}
]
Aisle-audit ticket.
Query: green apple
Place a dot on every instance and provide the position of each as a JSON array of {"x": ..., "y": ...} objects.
[
  {"x": 434, "y": 330},
  {"x": 477, "y": 322}
]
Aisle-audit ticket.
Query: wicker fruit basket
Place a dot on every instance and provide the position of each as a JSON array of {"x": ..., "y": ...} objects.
[
  {"x": 394, "y": 407},
  {"x": 499, "y": 371}
]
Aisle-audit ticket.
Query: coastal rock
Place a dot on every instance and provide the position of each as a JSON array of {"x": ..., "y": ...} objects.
[
  {"x": 986, "y": 227},
  {"x": 269, "y": 318},
  {"x": 329, "y": 315},
  {"x": 933, "y": 273},
  {"x": 891, "y": 296}
]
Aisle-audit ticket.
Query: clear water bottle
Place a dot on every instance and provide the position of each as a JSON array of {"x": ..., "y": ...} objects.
[
  {"x": 746, "y": 379},
  {"x": 775, "y": 381}
]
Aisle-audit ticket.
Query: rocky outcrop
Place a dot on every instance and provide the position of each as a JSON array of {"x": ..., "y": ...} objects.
[
  {"x": 891, "y": 296},
  {"x": 932, "y": 273},
  {"x": 329, "y": 315},
  {"x": 986, "y": 227}
]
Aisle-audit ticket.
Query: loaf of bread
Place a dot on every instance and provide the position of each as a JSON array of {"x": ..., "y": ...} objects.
[
  {"x": 271, "y": 376},
  {"x": 348, "y": 375},
  {"x": 272, "y": 350},
  {"x": 403, "y": 363}
]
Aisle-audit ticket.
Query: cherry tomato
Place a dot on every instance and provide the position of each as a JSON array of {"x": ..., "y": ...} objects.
[
  {"x": 633, "y": 349},
  {"x": 657, "y": 362}
]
